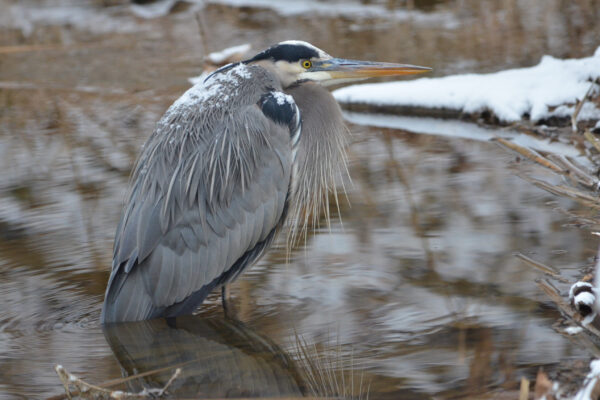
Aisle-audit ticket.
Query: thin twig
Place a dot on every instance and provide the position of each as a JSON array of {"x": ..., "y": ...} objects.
[
  {"x": 580, "y": 106},
  {"x": 592, "y": 139},
  {"x": 561, "y": 190},
  {"x": 542, "y": 267},
  {"x": 530, "y": 154},
  {"x": 524, "y": 392},
  {"x": 170, "y": 381},
  {"x": 576, "y": 173}
]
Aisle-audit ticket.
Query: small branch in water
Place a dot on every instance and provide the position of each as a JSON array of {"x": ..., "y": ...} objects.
[
  {"x": 118, "y": 381},
  {"x": 561, "y": 190},
  {"x": 542, "y": 267},
  {"x": 524, "y": 392},
  {"x": 561, "y": 165},
  {"x": 592, "y": 139},
  {"x": 89, "y": 391},
  {"x": 530, "y": 154},
  {"x": 575, "y": 172}
]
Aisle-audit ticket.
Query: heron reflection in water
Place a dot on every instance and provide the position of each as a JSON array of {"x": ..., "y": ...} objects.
[
  {"x": 257, "y": 143},
  {"x": 219, "y": 357}
]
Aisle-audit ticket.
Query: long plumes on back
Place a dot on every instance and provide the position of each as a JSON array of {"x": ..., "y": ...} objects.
[
  {"x": 175, "y": 142},
  {"x": 321, "y": 158}
]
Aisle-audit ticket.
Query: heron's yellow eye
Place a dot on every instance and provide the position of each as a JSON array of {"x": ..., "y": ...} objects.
[{"x": 306, "y": 64}]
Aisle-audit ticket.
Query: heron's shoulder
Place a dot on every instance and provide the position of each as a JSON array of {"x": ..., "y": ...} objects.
[
  {"x": 282, "y": 109},
  {"x": 225, "y": 88}
]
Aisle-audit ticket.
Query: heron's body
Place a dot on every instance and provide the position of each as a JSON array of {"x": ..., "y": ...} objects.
[{"x": 227, "y": 163}]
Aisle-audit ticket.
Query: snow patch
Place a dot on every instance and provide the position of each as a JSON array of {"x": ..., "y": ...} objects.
[
  {"x": 573, "y": 330},
  {"x": 153, "y": 10},
  {"x": 242, "y": 71},
  {"x": 509, "y": 94},
  {"x": 219, "y": 57},
  {"x": 347, "y": 9},
  {"x": 209, "y": 91},
  {"x": 577, "y": 287},
  {"x": 283, "y": 98},
  {"x": 95, "y": 20},
  {"x": 586, "y": 298},
  {"x": 589, "y": 319},
  {"x": 200, "y": 78},
  {"x": 590, "y": 382}
]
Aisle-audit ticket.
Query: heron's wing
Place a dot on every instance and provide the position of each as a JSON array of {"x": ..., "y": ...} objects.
[{"x": 197, "y": 217}]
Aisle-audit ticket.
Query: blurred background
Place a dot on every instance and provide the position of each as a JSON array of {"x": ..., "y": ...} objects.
[{"x": 415, "y": 282}]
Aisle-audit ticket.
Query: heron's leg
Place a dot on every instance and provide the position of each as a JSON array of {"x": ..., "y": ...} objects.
[{"x": 225, "y": 296}]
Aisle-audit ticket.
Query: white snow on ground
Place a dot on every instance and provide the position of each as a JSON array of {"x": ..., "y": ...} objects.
[
  {"x": 508, "y": 94},
  {"x": 573, "y": 330},
  {"x": 348, "y": 9},
  {"x": 157, "y": 9},
  {"x": 220, "y": 57},
  {"x": 590, "y": 382},
  {"x": 26, "y": 17},
  {"x": 580, "y": 285}
]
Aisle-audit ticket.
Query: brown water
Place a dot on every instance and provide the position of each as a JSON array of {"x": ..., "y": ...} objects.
[{"x": 418, "y": 287}]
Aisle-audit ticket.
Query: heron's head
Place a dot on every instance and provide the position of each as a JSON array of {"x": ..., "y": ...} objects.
[{"x": 295, "y": 61}]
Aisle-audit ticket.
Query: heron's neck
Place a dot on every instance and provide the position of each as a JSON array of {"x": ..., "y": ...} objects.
[
  {"x": 321, "y": 157},
  {"x": 282, "y": 75}
]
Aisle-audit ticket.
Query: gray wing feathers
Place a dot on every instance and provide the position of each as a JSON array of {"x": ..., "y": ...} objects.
[
  {"x": 182, "y": 231},
  {"x": 130, "y": 306}
]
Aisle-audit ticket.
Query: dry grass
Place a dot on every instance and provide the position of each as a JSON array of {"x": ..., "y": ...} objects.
[
  {"x": 330, "y": 376},
  {"x": 579, "y": 183}
]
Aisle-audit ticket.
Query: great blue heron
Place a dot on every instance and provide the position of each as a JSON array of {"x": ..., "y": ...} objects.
[{"x": 230, "y": 160}]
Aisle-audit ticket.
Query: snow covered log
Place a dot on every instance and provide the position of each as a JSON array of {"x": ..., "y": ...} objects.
[{"x": 540, "y": 93}]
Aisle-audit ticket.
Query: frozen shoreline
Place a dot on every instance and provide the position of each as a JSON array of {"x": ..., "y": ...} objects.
[
  {"x": 461, "y": 129},
  {"x": 539, "y": 93}
]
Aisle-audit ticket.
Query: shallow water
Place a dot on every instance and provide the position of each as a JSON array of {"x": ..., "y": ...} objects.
[{"x": 417, "y": 290}]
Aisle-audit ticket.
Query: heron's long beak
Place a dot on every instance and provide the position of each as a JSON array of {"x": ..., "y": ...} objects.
[{"x": 339, "y": 68}]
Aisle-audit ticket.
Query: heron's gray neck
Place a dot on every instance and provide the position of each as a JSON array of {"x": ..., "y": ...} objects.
[{"x": 321, "y": 154}]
